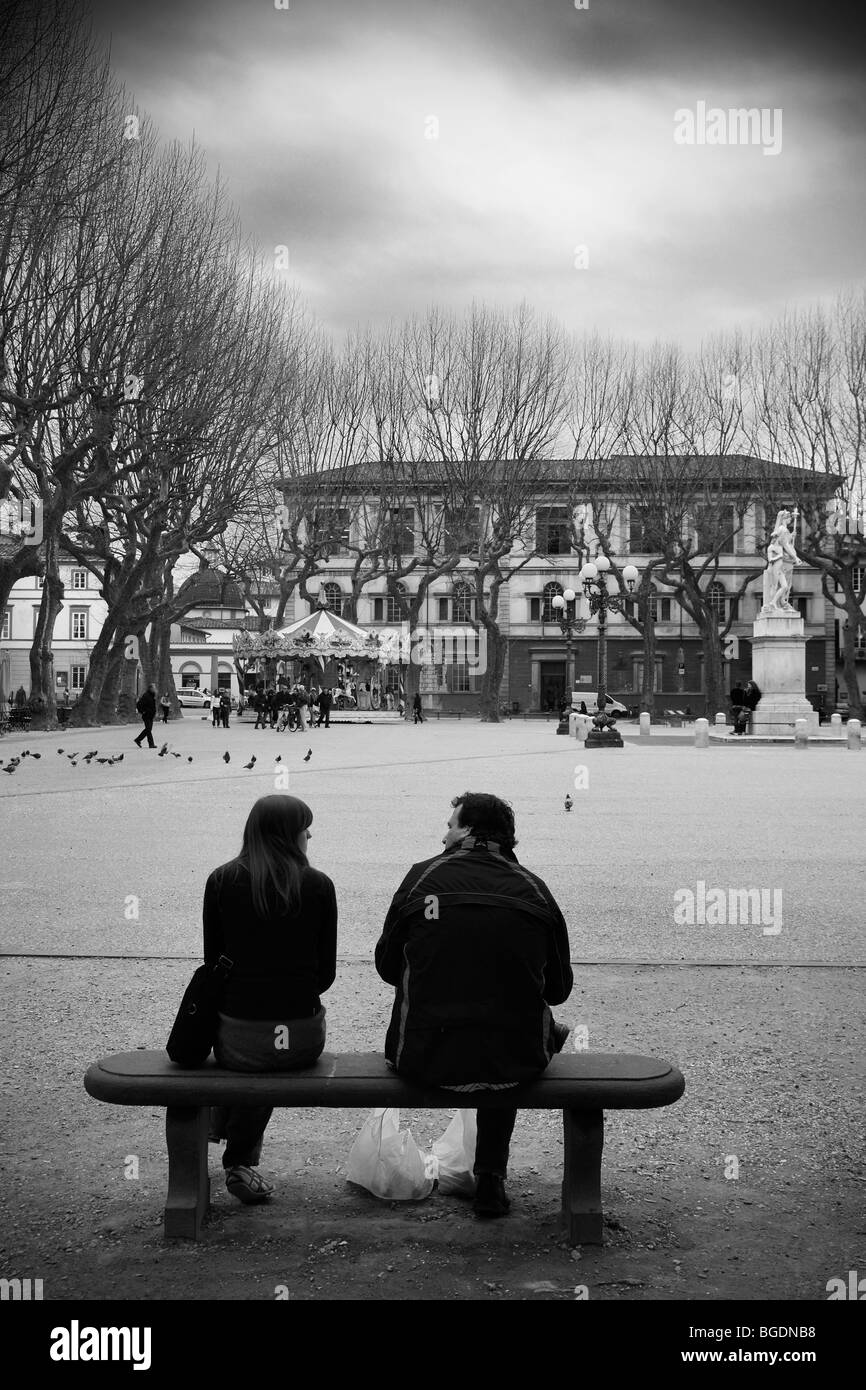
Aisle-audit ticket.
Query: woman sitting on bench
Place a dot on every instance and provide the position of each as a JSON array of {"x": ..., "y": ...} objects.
[{"x": 275, "y": 917}]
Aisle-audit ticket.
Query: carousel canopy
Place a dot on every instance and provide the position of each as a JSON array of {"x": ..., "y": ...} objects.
[{"x": 321, "y": 634}]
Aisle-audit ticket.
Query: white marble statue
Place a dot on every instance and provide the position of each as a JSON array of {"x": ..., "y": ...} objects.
[{"x": 781, "y": 559}]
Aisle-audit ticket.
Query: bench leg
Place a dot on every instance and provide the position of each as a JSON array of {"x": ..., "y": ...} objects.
[
  {"x": 186, "y": 1131},
  {"x": 583, "y": 1132}
]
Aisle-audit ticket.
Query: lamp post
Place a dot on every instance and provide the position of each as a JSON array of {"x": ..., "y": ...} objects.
[
  {"x": 595, "y": 578},
  {"x": 569, "y": 625}
]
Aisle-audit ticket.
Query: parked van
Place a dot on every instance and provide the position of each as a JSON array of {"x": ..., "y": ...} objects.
[{"x": 590, "y": 698}]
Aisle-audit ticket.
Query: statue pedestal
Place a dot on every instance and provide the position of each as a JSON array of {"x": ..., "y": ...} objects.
[{"x": 779, "y": 670}]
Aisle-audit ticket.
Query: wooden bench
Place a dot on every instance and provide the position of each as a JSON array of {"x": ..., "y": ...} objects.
[{"x": 582, "y": 1085}]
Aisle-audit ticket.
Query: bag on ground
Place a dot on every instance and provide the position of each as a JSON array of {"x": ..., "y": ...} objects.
[
  {"x": 455, "y": 1155},
  {"x": 387, "y": 1162}
]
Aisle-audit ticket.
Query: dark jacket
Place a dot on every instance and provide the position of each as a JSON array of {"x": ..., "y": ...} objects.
[
  {"x": 281, "y": 964},
  {"x": 751, "y": 696},
  {"x": 146, "y": 705},
  {"x": 325, "y": 700},
  {"x": 473, "y": 982}
]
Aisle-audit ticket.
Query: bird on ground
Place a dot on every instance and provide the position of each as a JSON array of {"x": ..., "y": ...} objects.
[
  {"x": 163, "y": 750},
  {"x": 226, "y": 758},
  {"x": 10, "y": 768},
  {"x": 189, "y": 760},
  {"x": 119, "y": 758},
  {"x": 250, "y": 764},
  {"x": 278, "y": 758},
  {"x": 176, "y": 755},
  {"x": 60, "y": 750},
  {"x": 103, "y": 760},
  {"x": 88, "y": 757},
  {"x": 568, "y": 802},
  {"x": 308, "y": 755},
  {"x": 70, "y": 756},
  {"x": 26, "y": 753},
  {"x": 36, "y": 755}
]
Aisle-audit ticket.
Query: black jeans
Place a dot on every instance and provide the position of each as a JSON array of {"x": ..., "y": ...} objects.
[
  {"x": 147, "y": 731},
  {"x": 495, "y": 1128},
  {"x": 324, "y": 714}
]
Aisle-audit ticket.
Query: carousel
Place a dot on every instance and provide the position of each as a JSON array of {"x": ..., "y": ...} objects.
[{"x": 320, "y": 650}]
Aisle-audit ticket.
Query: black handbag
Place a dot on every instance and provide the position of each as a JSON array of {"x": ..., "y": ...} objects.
[{"x": 194, "y": 1030}]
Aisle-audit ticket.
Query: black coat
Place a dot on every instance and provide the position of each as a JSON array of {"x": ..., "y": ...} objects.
[
  {"x": 146, "y": 705},
  {"x": 473, "y": 982},
  {"x": 751, "y": 697}
]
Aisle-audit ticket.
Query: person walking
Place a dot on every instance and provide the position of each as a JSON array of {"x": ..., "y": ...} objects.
[
  {"x": 225, "y": 708},
  {"x": 324, "y": 708},
  {"x": 474, "y": 980},
  {"x": 302, "y": 702},
  {"x": 165, "y": 706},
  {"x": 275, "y": 918},
  {"x": 260, "y": 705},
  {"x": 146, "y": 706},
  {"x": 418, "y": 717}
]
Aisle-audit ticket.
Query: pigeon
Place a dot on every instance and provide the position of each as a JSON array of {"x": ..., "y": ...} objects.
[
  {"x": 10, "y": 768},
  {"x": 119, "y": 758},
  {"x": 278, "y": 758},
  {"x": 250, "y": 764},
  {"x": 103, "y": 760},
  {"x": 60, "y": 750},
  {"x": 568, "y": 802},
  {"x": 226, "y": 758},
  {"x": 308, "y": 755},
  {"x": 36, "y": 755},
  {"x": 176, "y": 755},
  {"x": 163, "y": 750},
  {"x": 88, "y": 757},
  {"x": 26, "y": 753},
  {"x": 189, "y": 760}
]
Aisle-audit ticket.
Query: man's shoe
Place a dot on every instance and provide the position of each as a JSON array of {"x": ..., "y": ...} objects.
[
  {"x": 490, "y": 1199},
  {"x": 248, "y": 1185}
]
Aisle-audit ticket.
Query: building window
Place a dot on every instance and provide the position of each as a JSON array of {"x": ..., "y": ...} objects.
[
  {"x": 548, "y": 613},
  {"x": 801, "y": 603},
  {"x": 77, "y": 676},
  {"x": 552, "y": 531},
  {"x": 461, "y": 529},
  {"x": 79, "y": 579},
  {"x": 716, "y": 599},
  {"x": 79, "y": 624},
  {"x": 6, "y": 630},
  {"x": 386, "y": 608},
  {"x": 332, "y": 529},
  {"x": 857, "y": 578},
  {"x": 714, "y": 529},
  {"x": 461, "y": 604},
  {"x": 401, "y": 530},
  {"x": 459, "y": 678},
  {"x": 333, "y": 598},
  {"x": 645, "y": 529}
]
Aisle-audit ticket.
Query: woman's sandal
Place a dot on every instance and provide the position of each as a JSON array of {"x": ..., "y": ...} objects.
[{"x": 248, "y": 1185}]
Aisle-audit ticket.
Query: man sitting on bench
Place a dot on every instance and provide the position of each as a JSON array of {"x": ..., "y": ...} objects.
[{"x": 477, "y": 949}]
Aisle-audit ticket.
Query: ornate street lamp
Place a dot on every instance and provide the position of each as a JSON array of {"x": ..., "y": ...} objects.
[
  {"x": 569, "y": 625},
  {"x": 603, "y": 596}
]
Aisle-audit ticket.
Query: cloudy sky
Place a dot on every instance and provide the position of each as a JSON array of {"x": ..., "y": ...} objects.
[{"x": 410, "y": 152}]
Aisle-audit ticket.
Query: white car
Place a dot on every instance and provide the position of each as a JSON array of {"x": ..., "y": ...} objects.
[{"x": 190, "y": 698}]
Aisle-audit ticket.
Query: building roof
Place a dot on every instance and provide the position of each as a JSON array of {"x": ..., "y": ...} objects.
[
  {"x": 617, "y": 471},
  {"x": 210, "y": 587}
]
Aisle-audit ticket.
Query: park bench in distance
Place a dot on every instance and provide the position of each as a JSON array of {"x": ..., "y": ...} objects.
[{"x": 581, "y": 1084}]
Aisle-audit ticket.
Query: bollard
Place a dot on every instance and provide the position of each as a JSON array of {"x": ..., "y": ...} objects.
[
  {"x": 644, "y": 723},
  {"x": 836, "y": 724},
  {"x": 702, "y": 733},
  {"x": 854, "y": 733},
  {"x": 801, "y": 734},
  {"x": 722, "y": 718}
]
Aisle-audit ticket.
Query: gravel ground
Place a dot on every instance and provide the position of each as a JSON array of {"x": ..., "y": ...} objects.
[{"x": 770, "y": 1055}]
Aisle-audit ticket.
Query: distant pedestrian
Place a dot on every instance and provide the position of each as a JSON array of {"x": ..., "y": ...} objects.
[
  {"x": 216, "y": 718},
  {"x": 165, "y": 706},
  {"x": 324, "y": 708},
  {"x": 146, "y": 706},
  {"x": 225, "y": 708},
  {"x": 260, "y": 705},
  {"x": 389, "y": 700},
  {"x": 418, "y": 717},
  {"x": 302, "y": 701}
]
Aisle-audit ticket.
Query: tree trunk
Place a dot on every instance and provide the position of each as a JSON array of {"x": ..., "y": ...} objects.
[
  {"x": 106, "y": 710},
  {"x": 84, "y": 712},
  {"x": 42, "y": 691},
  {"x": 713, "y": 677},
  {"x": 491, "y": 680},
  {"x": 849, "y": 663}
]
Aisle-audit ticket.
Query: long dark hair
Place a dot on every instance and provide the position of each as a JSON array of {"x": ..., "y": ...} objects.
[{"x": 271, "y": 854}]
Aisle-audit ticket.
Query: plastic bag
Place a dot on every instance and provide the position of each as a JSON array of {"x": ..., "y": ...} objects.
[
  {"x": 455, "y": 1155},
  {"x": 387, "y": 1161}
]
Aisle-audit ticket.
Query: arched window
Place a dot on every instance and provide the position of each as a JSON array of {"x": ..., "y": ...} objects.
[
  {"x": 461, "y": 603},
  {"x": 716, "y": 599},
  {"x": 548, "y": 612},
  {"x": 333, "y": 598}
]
